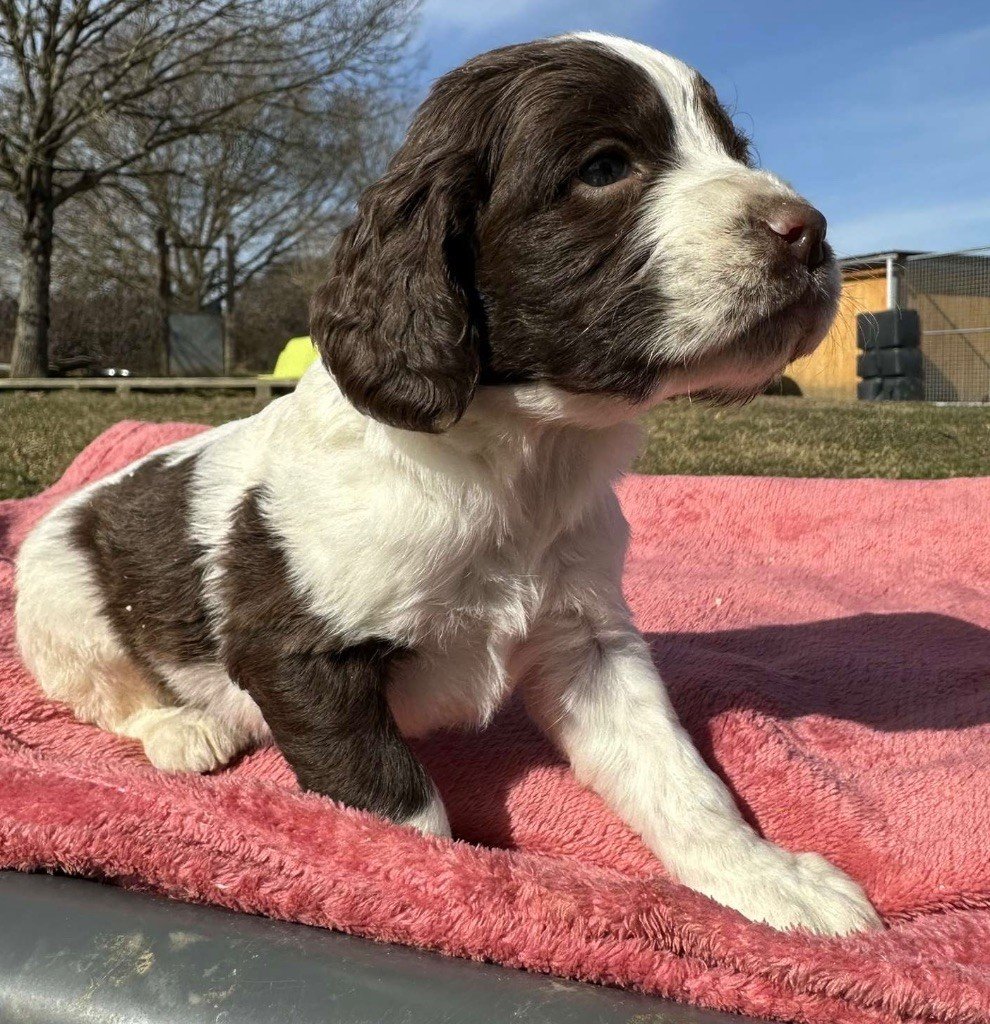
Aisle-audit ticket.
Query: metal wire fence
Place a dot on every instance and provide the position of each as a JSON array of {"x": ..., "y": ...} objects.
[{"x": 951, "y": 292}]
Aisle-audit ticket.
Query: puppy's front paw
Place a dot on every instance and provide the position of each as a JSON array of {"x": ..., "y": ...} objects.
[
  {"x": 432, "y": 819},
  {"x": 180, "y": 739},
  {"x": 802, "y": 890}
]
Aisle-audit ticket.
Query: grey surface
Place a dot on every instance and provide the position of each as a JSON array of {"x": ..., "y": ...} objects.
[{"x": 73, "y": 950}]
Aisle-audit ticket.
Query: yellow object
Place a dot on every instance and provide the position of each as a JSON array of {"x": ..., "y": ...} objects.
[{"x": 293, "y": 361}]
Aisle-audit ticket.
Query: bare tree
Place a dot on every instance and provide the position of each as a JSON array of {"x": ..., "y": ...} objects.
[
  {"x": 92, "y": 90},
  {"x": 8, "y": 274},
  {"x": 273, "y": 307},
  {"x": 237, "y": 200}
]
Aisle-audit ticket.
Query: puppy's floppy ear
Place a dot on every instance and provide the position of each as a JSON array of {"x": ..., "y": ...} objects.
[{"x": 393, "y": 322}]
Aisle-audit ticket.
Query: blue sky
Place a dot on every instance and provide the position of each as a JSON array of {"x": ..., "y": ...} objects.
[{"x": 878, "y": 111}]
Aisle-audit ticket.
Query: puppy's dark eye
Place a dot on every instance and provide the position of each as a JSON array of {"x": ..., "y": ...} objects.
[{"x": 605, "y": 169}]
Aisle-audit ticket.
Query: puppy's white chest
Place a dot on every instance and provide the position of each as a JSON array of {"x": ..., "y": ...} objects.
[{"x": 463, "y": 670}]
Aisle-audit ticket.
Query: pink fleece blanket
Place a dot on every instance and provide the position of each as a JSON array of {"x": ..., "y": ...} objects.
[{"x": 826, "y": 643}]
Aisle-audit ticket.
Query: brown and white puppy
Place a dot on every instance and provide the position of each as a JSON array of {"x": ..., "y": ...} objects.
[{"x": 572, "y": 231}]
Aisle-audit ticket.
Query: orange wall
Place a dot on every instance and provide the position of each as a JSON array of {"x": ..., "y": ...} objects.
[{"x": 830, "y": 371}]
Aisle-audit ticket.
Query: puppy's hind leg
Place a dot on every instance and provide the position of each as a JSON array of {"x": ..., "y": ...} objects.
[
  {"x": 65, "y": 639},
  {"x": 77, "y": 657}
]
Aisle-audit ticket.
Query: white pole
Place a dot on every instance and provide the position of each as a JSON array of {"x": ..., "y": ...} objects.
[{"x": 891, "y": 282}]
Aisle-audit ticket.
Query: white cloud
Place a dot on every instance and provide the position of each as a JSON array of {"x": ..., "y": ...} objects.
[
  {"x": 895, "y": 148},
  {"x": 471, "y": 14},
  {"x": 936, "y": 53},
  {"x": 534, "y": 18},
  {"x": 939, "y": 226}
]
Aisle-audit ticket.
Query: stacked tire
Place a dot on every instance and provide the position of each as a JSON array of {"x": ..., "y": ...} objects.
[{"x": 890, "y": 364}]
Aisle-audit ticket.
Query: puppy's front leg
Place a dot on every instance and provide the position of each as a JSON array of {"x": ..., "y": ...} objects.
[
  {"x": 328, "y": 713},
  {"x": 595, "y": 691}
]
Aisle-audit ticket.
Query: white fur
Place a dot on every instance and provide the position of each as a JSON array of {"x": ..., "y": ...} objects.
[
  {"x": 432, "y": 820},
  {"x": 183, "y": 739},
  {"x": 494, "y": 551}
]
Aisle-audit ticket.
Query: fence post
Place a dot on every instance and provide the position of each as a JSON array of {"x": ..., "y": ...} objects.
[
  {"x": 164, "y": 299},
  {"x": 229, "y": 338}
]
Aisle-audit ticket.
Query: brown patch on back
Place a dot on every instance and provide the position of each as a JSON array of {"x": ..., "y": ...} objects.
[
  {"x": 135, "y": 532},
  {"x": 258, "y": 596}
]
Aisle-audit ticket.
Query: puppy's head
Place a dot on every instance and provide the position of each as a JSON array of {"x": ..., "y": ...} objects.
[{"x": 579, "y": 212}]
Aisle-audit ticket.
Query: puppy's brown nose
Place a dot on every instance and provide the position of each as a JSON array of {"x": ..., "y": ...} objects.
[{"x": 802, "y": 229}]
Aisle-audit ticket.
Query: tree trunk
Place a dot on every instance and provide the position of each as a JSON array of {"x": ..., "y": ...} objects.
[
  {"x": 229, "y": 323},
  {"x": 30, "y": 355}
]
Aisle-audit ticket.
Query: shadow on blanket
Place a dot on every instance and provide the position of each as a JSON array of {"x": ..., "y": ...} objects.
[
  {"x": 933, "y": 668},
  {"x": 904, "y": 672}
]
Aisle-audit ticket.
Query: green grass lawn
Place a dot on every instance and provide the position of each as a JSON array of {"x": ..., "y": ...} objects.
[
  {"x": 803, "y": 437},
  {"x": 40, "y": 433}
]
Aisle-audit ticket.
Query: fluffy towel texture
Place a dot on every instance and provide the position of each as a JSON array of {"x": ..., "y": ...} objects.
[{"x": 826, "y": 643}]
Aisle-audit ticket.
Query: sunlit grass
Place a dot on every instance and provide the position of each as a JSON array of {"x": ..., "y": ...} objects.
[
  {"x": 803, "y": 437},
  {"x": 41, "y": 433}
]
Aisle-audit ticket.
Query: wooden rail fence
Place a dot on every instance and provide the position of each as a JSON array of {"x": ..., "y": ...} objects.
[{"x": 262, "y": 388}]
